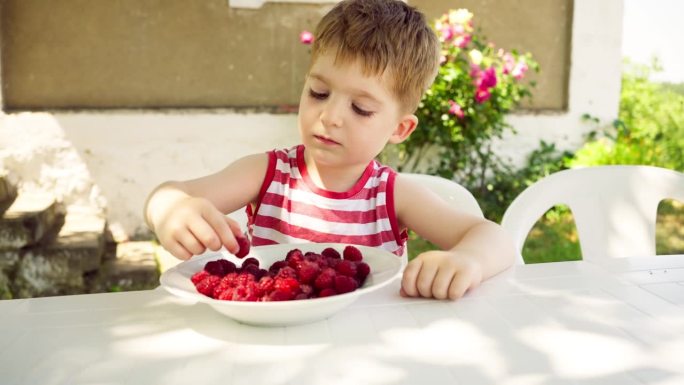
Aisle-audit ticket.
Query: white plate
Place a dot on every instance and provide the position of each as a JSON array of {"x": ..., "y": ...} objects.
[{"x": 384, "y": 265}]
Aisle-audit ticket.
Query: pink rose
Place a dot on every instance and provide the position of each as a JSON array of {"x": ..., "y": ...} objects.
[
  {"x": 482, "y": 95},
  {"x": 508, "y": 63},
  {"x": 455, "y": 109},
  {"x": 520, "y": 69},
  {"x": 488, "y": 79},
  {"x": 306, "y": 37}
]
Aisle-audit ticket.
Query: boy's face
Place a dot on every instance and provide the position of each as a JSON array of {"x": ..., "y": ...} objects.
[{"x": 345, "y": 117}]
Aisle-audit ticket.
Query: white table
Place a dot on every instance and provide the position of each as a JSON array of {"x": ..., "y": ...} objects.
[{"x": 620, "y": 321}]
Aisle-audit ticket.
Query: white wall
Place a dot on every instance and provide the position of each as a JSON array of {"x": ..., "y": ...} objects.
[{"x": 112, "y": 160}]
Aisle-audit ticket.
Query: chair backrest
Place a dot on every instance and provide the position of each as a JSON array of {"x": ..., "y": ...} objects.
[
  {"x": 614, "y": 207},
  {"x": 449, "y": 191}
]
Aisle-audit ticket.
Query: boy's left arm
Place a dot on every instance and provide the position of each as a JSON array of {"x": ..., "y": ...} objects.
[{"x": 472, "y": 248}]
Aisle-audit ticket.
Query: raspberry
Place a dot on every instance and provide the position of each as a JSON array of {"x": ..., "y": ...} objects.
[
  {"x": 331, "y": 253},
  {"x": 325, "y": 279},
  {"x": 327, "y": 293},
  {"x": 298, "y": 276},
  {"x": 287, "y": 284},
  {"x": 250, "y": 261},
  {"x": 287, "y": 272},
  {"x": 266, "y": 284},
  {"x": 207, "y": 285},
  {"x": 333, "y": 262},
  {"x": 275, "y": 267},
  {"x": 308, "y": 271},
  {"x": 227, "y": 295},
  {"x": 250, "y": 269},
  {"x": 280, "y": 295},
  {"x": 347, "y": 268},
  {"x": 215, "y": 268},
  {"x": 260, "y": 273},
  {"x": 243, "y": 242},
  {"x": 294, "y": 253},
  {"x": 362, "y": 271},
  {"x": 351, "y": 253},
  {"x": 345, "y": 284},
  {"x": 199, "y": 276},
  {"x": 306, "y": 289}
]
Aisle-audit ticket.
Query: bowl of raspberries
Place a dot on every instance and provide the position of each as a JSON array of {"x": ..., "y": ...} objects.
[{"x": 283, "y": 284}]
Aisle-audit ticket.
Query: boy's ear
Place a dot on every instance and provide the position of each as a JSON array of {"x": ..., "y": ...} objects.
[{"x": 405, "y": 127}]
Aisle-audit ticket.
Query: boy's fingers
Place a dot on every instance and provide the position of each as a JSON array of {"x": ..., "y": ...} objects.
[
  {"x": 425, "y": 279},
  {"x": 234, "y": 226},
  {"x": 408, "y": 280},
  {"x": 190, "y": 243},
  {"x": 205, "y": 234},
  {"x": 235, "y": 232},
  {"x": 178, "y": 251},
  {"x": 221, "y": 227},
  {"x": 441, "y": 284},
  {"x": 458, "y": 287}
]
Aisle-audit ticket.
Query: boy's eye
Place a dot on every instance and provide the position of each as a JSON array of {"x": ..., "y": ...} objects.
[
  {"x": 317, "y": 95},
  {"x": 361, "y": 111}
]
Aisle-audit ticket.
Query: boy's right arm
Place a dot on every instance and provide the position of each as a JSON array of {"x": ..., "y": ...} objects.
[{"x": 189, "y": 216}]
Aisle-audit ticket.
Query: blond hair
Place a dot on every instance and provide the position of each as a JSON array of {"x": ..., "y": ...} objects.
[{"x": 385, "y": 35}]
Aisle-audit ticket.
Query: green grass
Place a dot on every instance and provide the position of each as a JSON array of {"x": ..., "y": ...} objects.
[{"x": 554, "y": 237}]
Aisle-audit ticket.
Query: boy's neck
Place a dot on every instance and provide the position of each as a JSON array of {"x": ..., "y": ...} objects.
[{"x": 336, "y": 179}]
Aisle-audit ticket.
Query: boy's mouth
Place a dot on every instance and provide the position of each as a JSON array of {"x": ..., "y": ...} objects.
[{"x": 326, "y": 140}]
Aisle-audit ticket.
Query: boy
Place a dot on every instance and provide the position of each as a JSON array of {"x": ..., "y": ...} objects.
[{"x": 371, "y": 62}]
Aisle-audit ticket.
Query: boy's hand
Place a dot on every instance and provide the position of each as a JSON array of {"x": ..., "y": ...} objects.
[
  {"x": 440, "y": 274},
  {"x": 192, "y": 225}
]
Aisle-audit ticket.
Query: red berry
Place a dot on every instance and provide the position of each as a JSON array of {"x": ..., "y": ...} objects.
[
  {"x": 207, "y": 285},
  {"x": 281, "y": 295},
  {"x": 331, "y": 253},
  {"x": 287, "y": 272},
  {"x": 215, "y": 268},
  {"x": 327, "y": 293},
  {"x": 250, "y": 261},
  {"x": 244, "y": 245},
  {"x": 287, "y": 284},
  {"x": 228, "y": 266},
  {"x": 250, "y": 269},
  {"x": 294, "y": 253},
  {"x": 266, "y": 284},
  {"x": 362, "y": 271},
  {"x": 347, "y": 268},
  {"x": 275, "y": 267},
  {"x": 345, "y": 284},
  {"x": 199, "y": 276},
  {"x": 353, "y": 254},
  {"x": 308, "y": 271},
  {"x": 325, "y": 279}
]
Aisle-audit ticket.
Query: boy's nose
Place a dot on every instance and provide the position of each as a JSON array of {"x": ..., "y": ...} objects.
[{"x": 331, "y": 116}]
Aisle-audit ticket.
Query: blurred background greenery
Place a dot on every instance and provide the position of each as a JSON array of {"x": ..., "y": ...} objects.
[{"x": 649, "y": 130}]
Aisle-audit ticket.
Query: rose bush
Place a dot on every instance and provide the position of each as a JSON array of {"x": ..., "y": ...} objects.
[{"x": 477, "y": 85}]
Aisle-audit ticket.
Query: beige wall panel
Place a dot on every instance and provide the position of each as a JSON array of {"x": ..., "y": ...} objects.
[{"x": 176, "y": 53}]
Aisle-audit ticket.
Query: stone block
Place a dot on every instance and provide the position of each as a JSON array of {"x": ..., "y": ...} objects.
[
  {"x": 32, "y": 218},
  {"x": 8, "y": 193},
  {"x": 8, "y": 266},
  {"x": 135, "y": 268},
  {"x": 59, "y": 267}
]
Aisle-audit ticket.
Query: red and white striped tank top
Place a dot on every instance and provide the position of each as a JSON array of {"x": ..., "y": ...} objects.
[{"x": 292, "y": 209}]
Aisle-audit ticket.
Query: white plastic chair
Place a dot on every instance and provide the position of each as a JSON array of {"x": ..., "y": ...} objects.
[
  {"x": 614, "y": 207},
  {"x": 450, "y": 191}
]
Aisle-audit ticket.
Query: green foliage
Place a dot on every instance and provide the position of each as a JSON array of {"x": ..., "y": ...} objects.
[
  {"x": 477, "y": 85},
  {"x": 505, "y": 183},
  {"x": 648, "y": 131}
]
